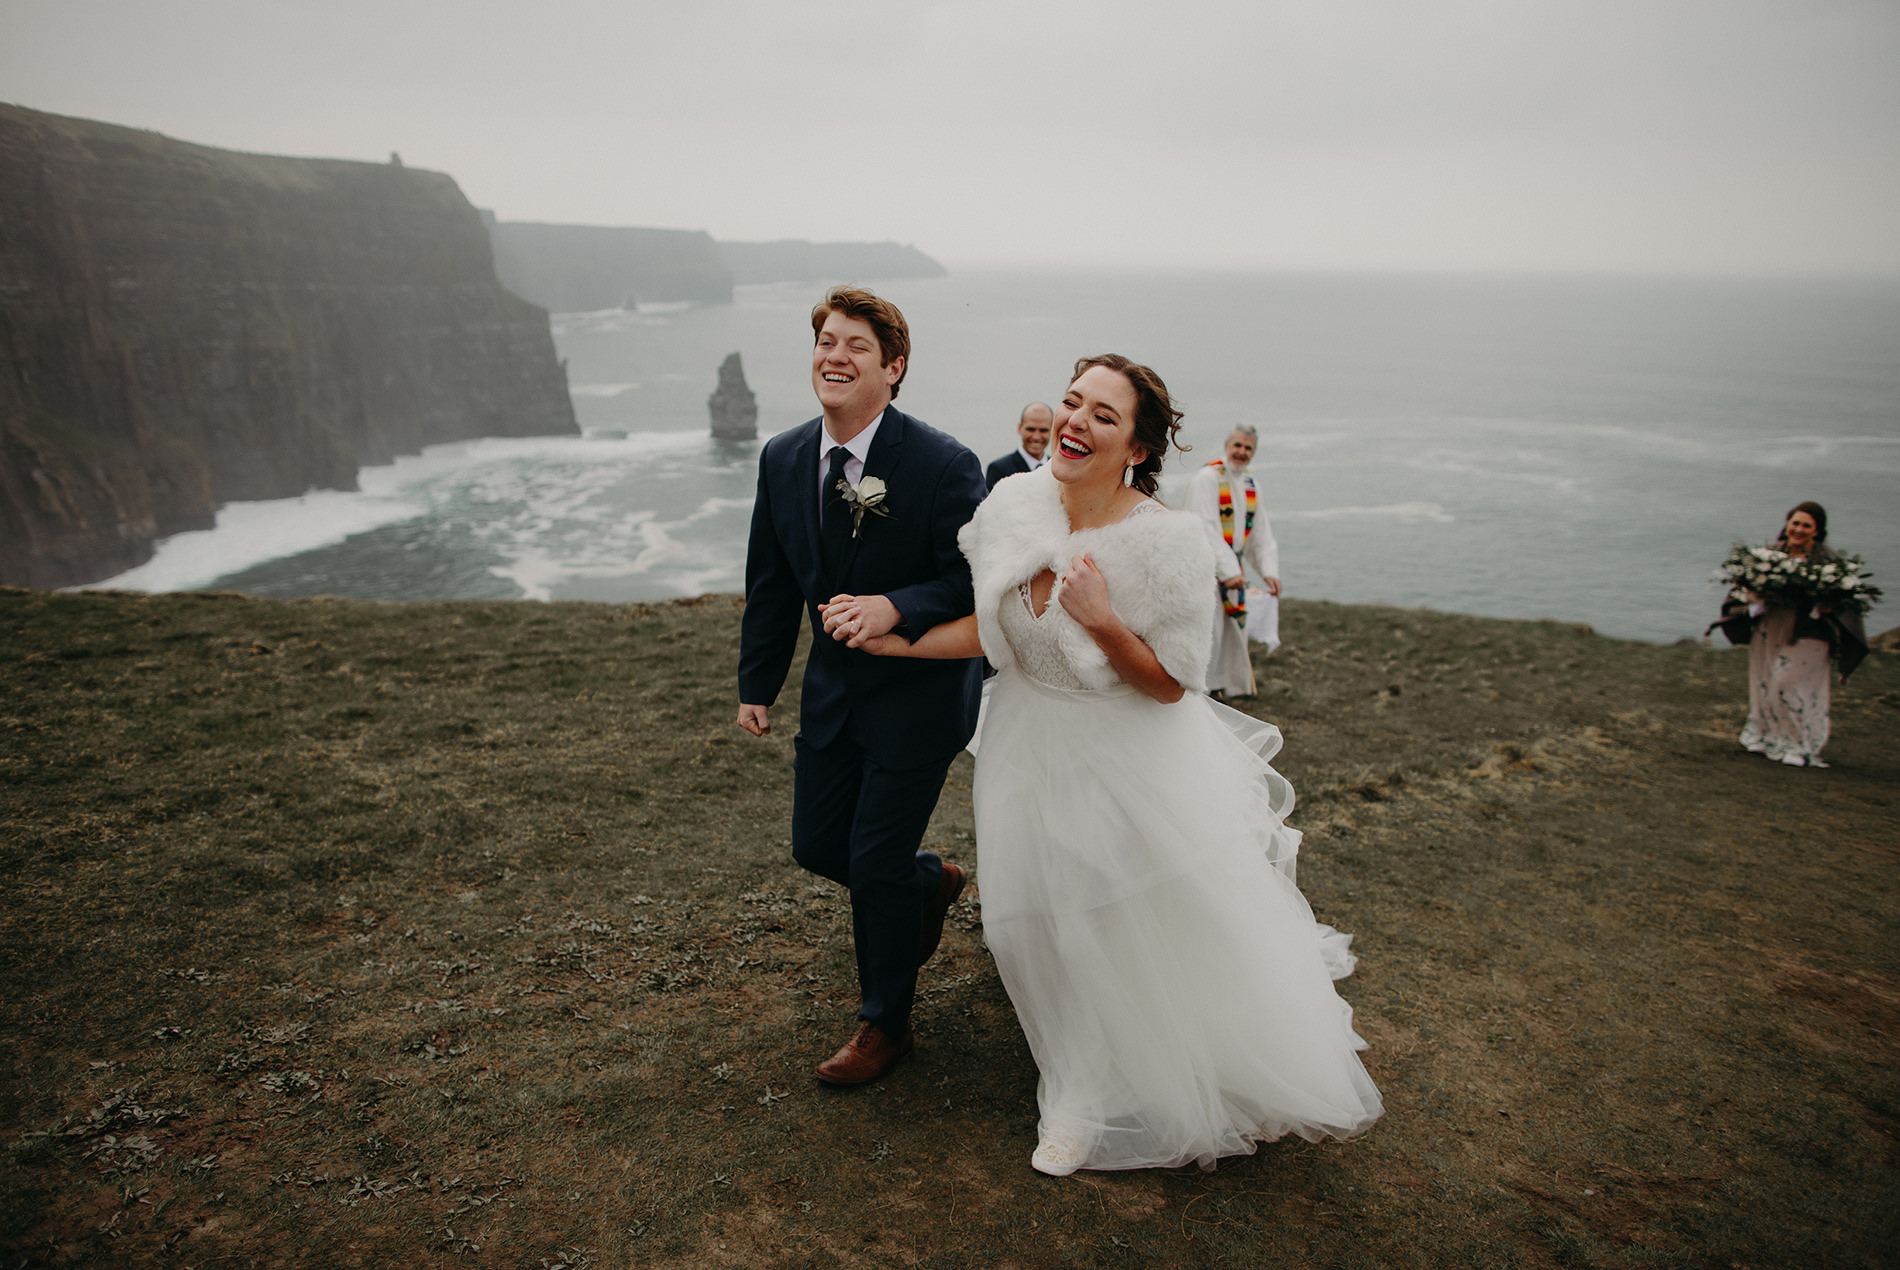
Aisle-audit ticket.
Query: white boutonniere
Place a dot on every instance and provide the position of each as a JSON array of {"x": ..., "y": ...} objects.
[{"x": 867, "y": 495}]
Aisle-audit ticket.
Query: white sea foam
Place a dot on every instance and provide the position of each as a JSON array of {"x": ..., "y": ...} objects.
[
  {"x": 596, "y": 321},
  {"x": 1492, "y": 475},
  {"x": 573, "y": 542},
  {"x": 488, "y": 470},
  {"x": 1548, "y": 449},
  {"x": 1399, "y": 511},
  {"x": 599, "y": 390},
  {"x": 1795, "y": 451},
  {"x": 248, "y": 534}
]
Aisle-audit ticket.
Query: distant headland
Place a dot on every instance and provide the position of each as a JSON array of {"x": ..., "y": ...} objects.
[{"x": 581, "y": 268}]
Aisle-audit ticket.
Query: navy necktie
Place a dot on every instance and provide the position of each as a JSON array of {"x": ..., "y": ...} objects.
[{"x": 834, "y": 513}]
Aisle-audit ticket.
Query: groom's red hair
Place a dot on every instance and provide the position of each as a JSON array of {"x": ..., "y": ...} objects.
[{"x": 887, "y": 322}]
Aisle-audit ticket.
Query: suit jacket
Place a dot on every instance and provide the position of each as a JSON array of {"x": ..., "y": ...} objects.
[
  {"x": 1009, "y": 465},
  {"x": 909, "y": 712}
]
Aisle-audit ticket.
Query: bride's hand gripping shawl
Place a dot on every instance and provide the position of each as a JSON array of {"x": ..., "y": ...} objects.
[{"x": 1156, "y": 564}]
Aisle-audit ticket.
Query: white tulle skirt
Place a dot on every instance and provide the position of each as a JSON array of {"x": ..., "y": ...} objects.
[{"x": 1138, "y": 894}]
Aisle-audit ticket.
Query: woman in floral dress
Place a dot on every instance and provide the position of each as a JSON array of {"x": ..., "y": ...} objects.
[{"x": 1788, "y": 653}]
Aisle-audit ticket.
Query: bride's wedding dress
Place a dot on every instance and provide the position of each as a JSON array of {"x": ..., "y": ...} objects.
[{"x": 1137, "y": 882}]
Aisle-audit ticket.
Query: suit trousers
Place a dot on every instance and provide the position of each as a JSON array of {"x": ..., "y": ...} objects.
[{"x": 860, "y": 824}]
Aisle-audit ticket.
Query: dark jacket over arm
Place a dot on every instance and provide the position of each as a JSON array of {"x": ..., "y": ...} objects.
[
  {"x": 947, "y": 596},
  {"x": 768, "y": 632}
]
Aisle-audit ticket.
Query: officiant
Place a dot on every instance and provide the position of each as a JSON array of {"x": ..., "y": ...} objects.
[{"x": 1224, "y": 496}]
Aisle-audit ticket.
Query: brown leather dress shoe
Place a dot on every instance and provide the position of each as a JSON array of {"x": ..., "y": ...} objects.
[
  {"x": 949, "y": 886},
  {"x": 865, "y": 1057}
]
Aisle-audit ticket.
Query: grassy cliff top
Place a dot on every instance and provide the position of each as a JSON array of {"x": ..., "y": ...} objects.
[{"x": 348, "y": 933}]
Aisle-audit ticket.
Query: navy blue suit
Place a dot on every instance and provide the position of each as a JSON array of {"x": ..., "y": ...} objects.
[
  {"x": 1011, "y": 464},
  {"x": 876, "y": 734}
]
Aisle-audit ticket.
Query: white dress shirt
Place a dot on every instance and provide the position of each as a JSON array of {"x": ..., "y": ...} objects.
[
  {"x": 1030, "y": 459},
  {"x": 857, "y": 447}
]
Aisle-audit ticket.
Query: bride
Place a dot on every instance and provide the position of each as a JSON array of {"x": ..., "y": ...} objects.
[{"x": 1137, "y": 875}]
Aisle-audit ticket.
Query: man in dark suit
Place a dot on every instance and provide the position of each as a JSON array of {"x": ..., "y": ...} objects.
[
  {"x": 1032, "y": 432},
  {"x": 863, "y": 505}
]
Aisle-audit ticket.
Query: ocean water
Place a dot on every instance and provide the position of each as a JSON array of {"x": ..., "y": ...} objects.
[{"x": 1584, "y": 449}]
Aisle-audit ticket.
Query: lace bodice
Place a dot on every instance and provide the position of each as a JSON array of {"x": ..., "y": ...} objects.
[{"x": 1033, "y": 639}]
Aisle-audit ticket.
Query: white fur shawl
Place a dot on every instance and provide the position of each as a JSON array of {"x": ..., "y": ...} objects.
[{"x": 1157, "y": 564}]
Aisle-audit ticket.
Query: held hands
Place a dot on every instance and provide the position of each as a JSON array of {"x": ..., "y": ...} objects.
[{"x": 856, "y": 620}]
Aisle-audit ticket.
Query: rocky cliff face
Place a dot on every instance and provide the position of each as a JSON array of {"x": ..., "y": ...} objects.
[{"x": 182, "y": 326}]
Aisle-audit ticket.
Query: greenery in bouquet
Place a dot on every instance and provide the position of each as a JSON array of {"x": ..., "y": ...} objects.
[{"x": 1780, "y": 580}]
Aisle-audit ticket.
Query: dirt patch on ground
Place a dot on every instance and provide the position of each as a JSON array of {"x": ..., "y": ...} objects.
[{"x": 374, "y": 934}]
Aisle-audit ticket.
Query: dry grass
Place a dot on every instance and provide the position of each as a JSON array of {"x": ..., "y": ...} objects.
[{"x": 357, "y": 934}]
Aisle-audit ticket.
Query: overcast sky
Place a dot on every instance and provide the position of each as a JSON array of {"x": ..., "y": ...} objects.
[{"x": 1627, "y": 135}]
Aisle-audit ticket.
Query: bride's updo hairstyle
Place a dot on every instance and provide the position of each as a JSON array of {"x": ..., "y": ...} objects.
[
  {"x": 1814, "y": 510},
  {"x": 1156, "y": 419}
]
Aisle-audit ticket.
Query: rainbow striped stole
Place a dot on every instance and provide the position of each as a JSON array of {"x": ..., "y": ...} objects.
[{"x": 1234, "y": 599}]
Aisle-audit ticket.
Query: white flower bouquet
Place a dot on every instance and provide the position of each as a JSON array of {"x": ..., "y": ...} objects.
[{"x": 1839, "y": 584}]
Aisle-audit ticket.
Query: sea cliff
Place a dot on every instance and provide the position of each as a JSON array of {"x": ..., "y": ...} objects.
[{"x": 182, "y": 326}]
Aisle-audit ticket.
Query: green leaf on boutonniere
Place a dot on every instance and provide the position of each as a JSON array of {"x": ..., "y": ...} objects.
[{"x": 867, "y": 495}]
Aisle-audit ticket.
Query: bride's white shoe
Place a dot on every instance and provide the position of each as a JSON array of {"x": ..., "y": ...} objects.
[{"x": 1058, "y": 1157}]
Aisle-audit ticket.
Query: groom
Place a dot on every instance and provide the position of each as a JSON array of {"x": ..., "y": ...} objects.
[{"x": 876, "y": 735}]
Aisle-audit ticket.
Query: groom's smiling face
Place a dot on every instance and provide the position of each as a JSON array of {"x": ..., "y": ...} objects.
[{"x": 845, "y": 368}]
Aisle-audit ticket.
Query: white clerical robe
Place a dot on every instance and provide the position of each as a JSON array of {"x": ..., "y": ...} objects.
[{"x": 1229, "y": 669}]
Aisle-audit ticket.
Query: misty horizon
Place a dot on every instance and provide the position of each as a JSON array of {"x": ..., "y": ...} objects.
[
  {"x": 1697, "y": 138},
  {"x": 1876, "y": 275}
]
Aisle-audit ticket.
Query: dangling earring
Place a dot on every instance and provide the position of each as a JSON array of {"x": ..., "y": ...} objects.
[{"x": 1128, "y": 475}]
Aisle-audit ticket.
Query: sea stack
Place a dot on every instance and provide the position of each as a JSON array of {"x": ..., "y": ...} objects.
[{"x": 735, "y": 411}]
